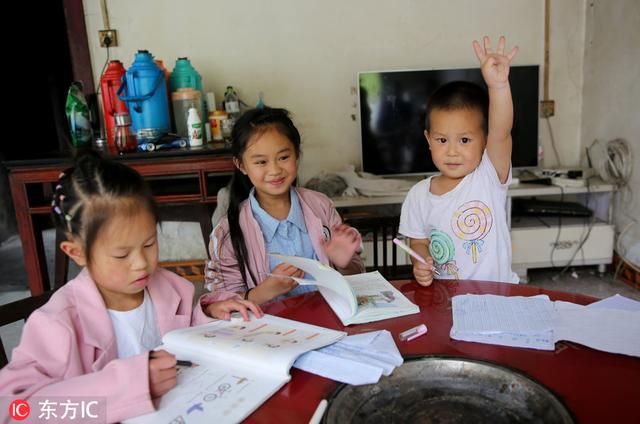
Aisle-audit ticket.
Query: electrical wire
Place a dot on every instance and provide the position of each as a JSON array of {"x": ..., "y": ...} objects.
[
  {"x": 553, "y": 141},
  {"x": 106, "y": 62},
  {"x": 613, "y": 161}
]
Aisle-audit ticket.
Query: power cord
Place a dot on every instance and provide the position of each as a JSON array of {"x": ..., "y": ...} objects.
[
  {"x": 553, "y": 141},
  {"x": 612, "y": 160}
]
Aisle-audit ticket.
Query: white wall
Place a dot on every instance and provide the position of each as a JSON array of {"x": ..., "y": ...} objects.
[
  {"x": 611, "y": 106},
  {"x": 304, "y": 55}
]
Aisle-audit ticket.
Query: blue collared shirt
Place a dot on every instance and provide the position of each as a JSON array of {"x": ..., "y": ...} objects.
[{"x": 288, "y": 237}]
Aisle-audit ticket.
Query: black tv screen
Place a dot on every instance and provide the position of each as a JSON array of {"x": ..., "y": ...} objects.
[{"x": 392, "y": 117}]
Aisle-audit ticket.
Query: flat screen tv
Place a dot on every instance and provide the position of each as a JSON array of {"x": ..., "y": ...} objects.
[{"x": 392, "y": 117}]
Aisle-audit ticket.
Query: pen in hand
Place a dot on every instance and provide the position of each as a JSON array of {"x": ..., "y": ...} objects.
[
  {"x": 414, "y": 254},
  {"x": 179, "y": 362}
]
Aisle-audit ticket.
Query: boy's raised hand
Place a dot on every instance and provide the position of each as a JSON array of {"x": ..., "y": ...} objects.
[
  {"x": 494, "y": 66},
  {"x": 344, "y": 243}
]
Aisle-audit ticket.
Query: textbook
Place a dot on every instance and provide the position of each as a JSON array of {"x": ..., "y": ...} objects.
[
  {"x": 355, "y": 299},
  {"x": 236, "y": 366}
]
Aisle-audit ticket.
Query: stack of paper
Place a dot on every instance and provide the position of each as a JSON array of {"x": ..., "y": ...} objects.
[
  {"x": 508, "y": 321},
  {"x": 358, "y": 359},
  {"x": 612, "y": 325}
]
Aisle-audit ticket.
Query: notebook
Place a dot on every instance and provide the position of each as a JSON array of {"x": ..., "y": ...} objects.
[
  {"x": 237, "y": 366},
  {"x": 355, "y": 299}
]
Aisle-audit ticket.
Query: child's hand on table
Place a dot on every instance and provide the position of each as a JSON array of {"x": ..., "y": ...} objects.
[{"x": 222, "y": 310}]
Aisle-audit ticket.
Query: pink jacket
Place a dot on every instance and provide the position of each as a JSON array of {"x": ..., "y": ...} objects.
[
  {"x": 68, "y": 347},
  {"x": 223, "y": 273}
]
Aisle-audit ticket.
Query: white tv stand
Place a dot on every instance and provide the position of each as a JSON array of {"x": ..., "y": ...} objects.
[{"x": 539, "y": 242}]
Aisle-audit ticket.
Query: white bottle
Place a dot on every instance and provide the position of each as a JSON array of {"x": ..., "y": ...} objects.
[{"x": 194, "y": 124}]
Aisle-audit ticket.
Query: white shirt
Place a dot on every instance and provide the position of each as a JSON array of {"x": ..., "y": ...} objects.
[
  {"x": 467, "y": 226},
  {"x": 136, "y": 330}
]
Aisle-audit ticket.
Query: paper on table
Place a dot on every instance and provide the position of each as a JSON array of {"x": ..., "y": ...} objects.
[
  {"x": 610, "y": 330},
  {"x": 617, "y": 302},
  {"x": 508, "y": 321},
  {"x": 357, "y": 359}
]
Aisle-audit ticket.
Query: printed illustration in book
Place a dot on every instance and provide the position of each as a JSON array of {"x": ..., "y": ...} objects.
[
  {"x": 355, "y": 299},
  {"x": 236, "y": 366}
]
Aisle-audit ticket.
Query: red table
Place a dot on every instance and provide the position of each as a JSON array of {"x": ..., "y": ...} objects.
[{"x": 595, "y": 386}]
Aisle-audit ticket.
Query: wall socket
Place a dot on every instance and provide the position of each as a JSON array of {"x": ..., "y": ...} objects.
[
  {"x": 108, "y": 38},
  {"x": 547, "y": 108}
]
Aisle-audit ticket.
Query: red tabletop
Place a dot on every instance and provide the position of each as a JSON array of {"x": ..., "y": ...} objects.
[{"x": 595, "y": 386}]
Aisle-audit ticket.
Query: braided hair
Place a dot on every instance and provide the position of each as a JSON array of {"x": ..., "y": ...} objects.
[
  {"x": 252, "y": 123},
  {"x": 87, "y": 194}
]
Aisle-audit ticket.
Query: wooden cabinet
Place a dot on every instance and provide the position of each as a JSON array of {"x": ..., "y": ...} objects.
[{"x": 185, "y": 178}]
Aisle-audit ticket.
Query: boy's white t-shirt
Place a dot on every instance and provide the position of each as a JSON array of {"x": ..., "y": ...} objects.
[
  {"x": 467, "y": 226},
  {"x": 136, "y": 330}
]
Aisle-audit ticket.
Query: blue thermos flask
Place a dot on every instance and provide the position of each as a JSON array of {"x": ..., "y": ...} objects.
[{"x": 145, "y": 92}]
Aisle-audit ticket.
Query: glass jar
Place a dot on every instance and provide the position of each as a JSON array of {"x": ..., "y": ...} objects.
[{"x": 124, "y": 139}]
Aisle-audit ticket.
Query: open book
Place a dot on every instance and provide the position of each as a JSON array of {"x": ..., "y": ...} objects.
[
  {"x": 237, "y": 366},
  {"x": 355, "y": 299}
]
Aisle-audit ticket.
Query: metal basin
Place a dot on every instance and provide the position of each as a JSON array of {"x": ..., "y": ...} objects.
[{"x": 447, "y": 390}]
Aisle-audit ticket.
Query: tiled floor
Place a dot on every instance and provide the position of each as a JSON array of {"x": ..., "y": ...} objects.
[{"x": 13, "y": 282}]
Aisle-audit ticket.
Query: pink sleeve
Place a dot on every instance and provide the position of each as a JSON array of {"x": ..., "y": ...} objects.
[
  {"x": 222, "y": 276},
  {"x": 48, "y": 363}
]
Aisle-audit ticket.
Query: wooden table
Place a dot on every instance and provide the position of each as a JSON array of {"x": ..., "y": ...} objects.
[
  {"x": 597, "y": 387},
  {"x": 188, "y": 177}
]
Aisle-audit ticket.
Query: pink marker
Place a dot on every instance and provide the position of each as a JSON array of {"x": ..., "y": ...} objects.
[
  {"x": 413, "y": 333},
  {"x": 413, "y": 254}
]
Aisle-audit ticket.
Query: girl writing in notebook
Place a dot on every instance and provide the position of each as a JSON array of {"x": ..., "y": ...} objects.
[
  {"x": 268, "y": 213},
  {"x": 93, "y": 338}
]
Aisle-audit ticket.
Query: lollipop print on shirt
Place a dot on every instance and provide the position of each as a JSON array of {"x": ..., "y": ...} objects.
[
  {"x": 443, "y": 252},
  {"x": 471, "y": 222}
]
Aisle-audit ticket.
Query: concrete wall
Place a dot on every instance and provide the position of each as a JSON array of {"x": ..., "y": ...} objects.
[
  {"x": 611, "y": 106},
  {"x": 304, "y": 55}
]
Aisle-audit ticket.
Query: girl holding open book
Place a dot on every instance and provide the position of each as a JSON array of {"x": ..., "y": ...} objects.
[
  {"x": 267, "y": 213},
  {"x": 92, "y": 340}
]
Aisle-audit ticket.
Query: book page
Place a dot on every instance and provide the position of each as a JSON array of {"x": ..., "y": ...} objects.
[
  {"x": 377, "y": 298},
  {"x": 212, "y": 393},
  {"x": 249, "y": 343},
  {"x": 331, "y": 284}
]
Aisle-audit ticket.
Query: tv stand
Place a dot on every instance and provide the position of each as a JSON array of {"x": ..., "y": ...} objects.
[{"x": 537, "y": 242}]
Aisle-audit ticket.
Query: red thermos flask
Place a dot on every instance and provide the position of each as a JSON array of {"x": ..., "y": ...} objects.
[{"x": 110, "y": 82}]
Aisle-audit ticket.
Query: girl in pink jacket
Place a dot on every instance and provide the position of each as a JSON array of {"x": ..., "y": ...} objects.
[
  {"x": 267, "y": 213},
  {"x": 92, "y": 340}
]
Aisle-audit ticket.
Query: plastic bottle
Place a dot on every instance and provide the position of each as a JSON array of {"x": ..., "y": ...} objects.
[
  {"x": 110, "y": 82},
  {"x": 184, "y": 75},
  {"x": 77, "y": 112},
  {"x": 124, "y": 139},
  {"x": 182, "y": 100},
  {"x": 194, "y": 123},
  {"x": 215, "y": 120},
  {"x": 145, "y": 93},
  {"x": 231, "y": 103}
]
